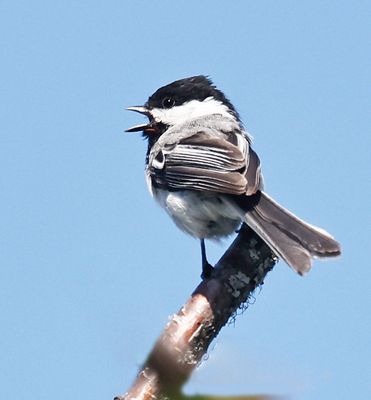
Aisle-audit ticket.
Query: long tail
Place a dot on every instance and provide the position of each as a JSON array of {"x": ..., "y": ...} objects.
[{"x": 290, "y": 238}]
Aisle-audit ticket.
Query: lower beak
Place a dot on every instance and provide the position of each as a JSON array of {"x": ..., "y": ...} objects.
[{"x": 142, "y": 127}]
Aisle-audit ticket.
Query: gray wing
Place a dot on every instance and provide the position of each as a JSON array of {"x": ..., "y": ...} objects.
[{"x": 205, "y": 162}]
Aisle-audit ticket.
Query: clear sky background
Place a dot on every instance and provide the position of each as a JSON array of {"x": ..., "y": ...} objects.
[{"x": 91, "y": 267}]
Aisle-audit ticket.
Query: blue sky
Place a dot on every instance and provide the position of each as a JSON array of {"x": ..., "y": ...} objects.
[{"x": 91, "y": 268}]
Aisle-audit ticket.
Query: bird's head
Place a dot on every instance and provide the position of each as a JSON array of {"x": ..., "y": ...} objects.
[{"x": 182, "y": 101}]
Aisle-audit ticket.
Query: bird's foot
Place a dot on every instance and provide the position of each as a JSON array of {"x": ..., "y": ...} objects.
[{"x": 207, "y": 270}]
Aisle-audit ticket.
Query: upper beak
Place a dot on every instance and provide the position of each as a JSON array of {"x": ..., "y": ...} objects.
[{"x": 142, "y": 127}]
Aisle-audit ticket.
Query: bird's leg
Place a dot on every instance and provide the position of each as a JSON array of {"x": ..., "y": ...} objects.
[{"x": 207, "y": 268}]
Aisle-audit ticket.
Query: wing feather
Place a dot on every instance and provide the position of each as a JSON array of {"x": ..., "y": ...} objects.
[{"x": 209, "y": 163}]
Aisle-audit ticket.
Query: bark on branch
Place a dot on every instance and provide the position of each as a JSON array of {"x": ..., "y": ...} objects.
[{"x": 189, "y": 333}]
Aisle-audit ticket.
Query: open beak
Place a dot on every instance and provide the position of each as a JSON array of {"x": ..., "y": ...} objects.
[{"x": 143, "y": 127}]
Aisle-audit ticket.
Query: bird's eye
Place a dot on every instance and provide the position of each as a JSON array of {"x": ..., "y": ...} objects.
[{"x": 168, "y": 102}]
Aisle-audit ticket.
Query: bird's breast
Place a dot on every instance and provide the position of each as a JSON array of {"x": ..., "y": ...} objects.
[{"x": 202, "y": 215}]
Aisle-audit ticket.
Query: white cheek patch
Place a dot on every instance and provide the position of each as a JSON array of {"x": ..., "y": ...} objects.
[{"x": 192, "y": 109}]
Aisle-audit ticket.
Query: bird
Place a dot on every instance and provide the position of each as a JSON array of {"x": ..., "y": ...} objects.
[{"x": 201, "y": 168}]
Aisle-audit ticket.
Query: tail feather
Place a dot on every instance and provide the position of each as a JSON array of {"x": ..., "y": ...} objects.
[{"x": 292, "y": 239}]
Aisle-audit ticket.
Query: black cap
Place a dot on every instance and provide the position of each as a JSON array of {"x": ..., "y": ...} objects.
[{"x": 184, "y": 90}]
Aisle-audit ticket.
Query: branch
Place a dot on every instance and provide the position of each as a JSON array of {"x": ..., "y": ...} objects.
[{"x": 188, "y": 335}]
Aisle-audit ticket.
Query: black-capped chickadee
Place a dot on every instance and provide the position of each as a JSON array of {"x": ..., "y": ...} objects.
[{"x": 202, "y": 170}]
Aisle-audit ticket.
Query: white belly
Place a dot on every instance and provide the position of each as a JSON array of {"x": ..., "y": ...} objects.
[{"x": 202, "y": 215}]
